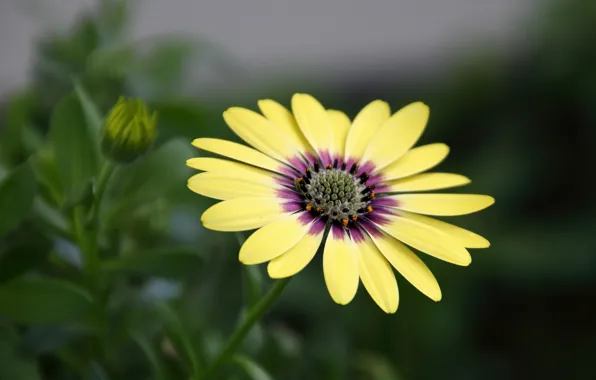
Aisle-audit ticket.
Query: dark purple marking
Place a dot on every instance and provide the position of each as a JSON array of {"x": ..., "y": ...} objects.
[
  {"x": 385, "y": 211},
  {"x": 337, "y": 231},
  {"x": 382, "y": 188},
  {"x": 367, "y": 167},
  {"x": 285, "y": 181},
  {"x": 375, "y": 178},
  {"x": 350, "y": 161},
  {"x": 325, "y": 158},
  {"x": 317, "y": 227},
  {"x": 286, "y": 170},
  {"x": 377, "y": 216},
  {"x": 288, "y": 194},
  {"x": 306, "y": 218},
  {"x": 292, "y": 206},
  {"x": 371, "y": 228},
  {"x": 357, "y": 234},
  {"x": 384, "y": 202}
]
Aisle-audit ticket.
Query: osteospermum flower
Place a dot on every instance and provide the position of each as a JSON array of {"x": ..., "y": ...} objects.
[{"x": 314, "y": 177}]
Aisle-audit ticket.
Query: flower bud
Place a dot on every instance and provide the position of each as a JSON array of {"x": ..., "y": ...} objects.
[{"x": 129, "y": 131}]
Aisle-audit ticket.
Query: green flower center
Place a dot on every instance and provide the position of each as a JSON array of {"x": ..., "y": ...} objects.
[{"x": 335, "y": 193}]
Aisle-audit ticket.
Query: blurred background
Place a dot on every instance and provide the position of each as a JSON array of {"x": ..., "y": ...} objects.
[{"x": 512, "y": 90}]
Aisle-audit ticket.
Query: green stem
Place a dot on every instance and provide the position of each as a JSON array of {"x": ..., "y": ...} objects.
[
  {"x": 87, "y": 244},
  {"x": 100, "y": 188},
  {"x": 243, "y": 329}
]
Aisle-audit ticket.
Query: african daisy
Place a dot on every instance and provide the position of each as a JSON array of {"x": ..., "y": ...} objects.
[{"x": 314, "y": 177}]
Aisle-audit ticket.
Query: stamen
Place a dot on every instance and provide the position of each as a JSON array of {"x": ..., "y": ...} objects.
[
  {"x": 308, "y": 207},
  {"x": 316, "y": 167},
  {"x": 354, "y": 217},
  {"x": 343, "y": 166},
  {"x": 308, "y": 173},
  {"x": 363, "y": 177},
  {"x": 335, "y": 164},
  {"x": 328, "y": 166},
  {"x": 353, "y": 168},
  {"x": 369, "y": 208},
  {"x": 345, "y": 222}
]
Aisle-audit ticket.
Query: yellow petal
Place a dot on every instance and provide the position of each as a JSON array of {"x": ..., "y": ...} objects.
[
  {"x": 296, "y": 258},
  {"x": 313, "y": 122},
  {"x": 232, "y": 184},
  {"x": 409, "y": 265},
  {"x": 377, "y": 276},
  {"x": 340, "y": 268},
  {"x": 444, "y": 204},
  {"x": 341, "y": 126},
  {"x": 365, "y": 126},
  {"x": 241, "y": 214},
  {"x": 427, "y": 181},
  {"x": 416, "y": 161},
  {"x": 259, "y": 132},
  {"x": 397, "y": 135},
  {"x": 210, "y": 164},
  {"x": 238, "y": 152},
  {"x": 428, "y": 240},
  {"x": 272, "y": 240},
  {"x": 286, "y": 122},
  {"x": 464, "y": 237}
]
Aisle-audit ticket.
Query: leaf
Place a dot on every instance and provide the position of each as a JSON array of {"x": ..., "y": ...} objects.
[
  {"x": 42, "y": 301},
  {"x": 151, "y": 177},
  {"x": 14, "y": 364},
  {"x": 252, "y": 369},
  {"x": 17, "y": 191},
  {"x": 165, "y": 262},
  {"x": 39, "y": 340},
  {"x": 179, "y": 118},
  {"x": 76, "y": 147},
  {"x": 90, "y": 110},
  {"x": 26, "y": 249},
  {"x": 152, "y": 356}
]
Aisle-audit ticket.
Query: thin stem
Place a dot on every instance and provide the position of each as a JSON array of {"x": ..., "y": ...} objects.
[
  {"x": 243, "y": 329},
  {"x": 100, "y": 188},
  {"x": 87, "y": 244}
]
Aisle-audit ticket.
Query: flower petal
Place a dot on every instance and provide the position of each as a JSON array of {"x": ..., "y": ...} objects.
[
  {"x": 464, "y": 237},
  {"x": 416, "y": 161},
  {"x": 341, "y": 126},
  {"x": 427, "y": 239},
  {"x": 286, "y": 122},
  {"x": 313, "y": 121},
  {"x": 443, "y": 204},
  {"x": 365, "y": 126},
  {"x": 377, "y": 276},
  {"x": 259, "y": 132},
  {"x": 397, "y": 135},
  {"x": 296, "y": 258},
  {"x": 241, "y": 214},
  {"x": 211, "y": 164},
  {"x": 238, "y": 152},
  {"x": 409, "y": 265},
  {"x": 232, "y": 184},
  {"x": 427, "y": 181},
  {"x": 272, "y": 240},
  {"x": 340, "y": 267}
]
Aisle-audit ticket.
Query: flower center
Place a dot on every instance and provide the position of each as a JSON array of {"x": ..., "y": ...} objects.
[{"x": 336, "y": 193}]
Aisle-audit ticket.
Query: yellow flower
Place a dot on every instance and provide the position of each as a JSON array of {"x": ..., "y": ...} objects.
[{"x": 314, "y": 175}]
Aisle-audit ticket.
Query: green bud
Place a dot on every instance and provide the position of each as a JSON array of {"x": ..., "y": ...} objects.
[{"x": 129, "y": 131}]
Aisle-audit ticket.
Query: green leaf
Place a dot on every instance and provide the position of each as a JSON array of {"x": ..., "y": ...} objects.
[
  {"x": 17, "y": 191},
  {"x": 14, "y": 364},
  {"x": 39, "y": 340},
  {"x": 151, "y": 177},
  {"x": 166, "y": 262},
  {"x": 76, "y": 147},
  {"x": 90, "y": 110},
  {"x": 251, "y": 368},
  {"x": 154, "y": 359},
  {"x": 22, "y": 251},
  {"x": 179, "y": 118},
  {"x": 42, "y": 301}
]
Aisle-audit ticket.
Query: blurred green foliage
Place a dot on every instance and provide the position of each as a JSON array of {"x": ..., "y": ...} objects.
[{"x": 166, "y": 293}]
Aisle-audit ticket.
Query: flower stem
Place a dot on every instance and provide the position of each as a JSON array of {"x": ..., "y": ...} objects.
[
  {"x": 100, "y": 188},
  {"x": 244, "y": 327}
]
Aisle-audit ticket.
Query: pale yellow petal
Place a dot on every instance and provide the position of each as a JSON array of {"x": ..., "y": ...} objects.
[
  {"x": 340, "y": 269},
  {"x": 286, "y": 122},
  {"x": 210, "y": 164},
  {"x": 409, "y": 265},
  {"x": 232, "y": 184},
  {"x": 427, "y": 181},
  {"x": 377, "y": 276},
  {"x": 428, "y": 240},
  {"x": 313, "y": 121},
  {"x": 397, "y": 135},
  {"x": 464, "y": 237},
  {"x": 238, "y": 152},
  {"x": 272, "y": 240},
  {"x": 241, "y": 214},
  {"x": 365, "y": 126},
  {"x": 259, "y": 132},
  {"x": 416, "y": 161},
  {"x": 296, "y": 258},
  {"x": 444, "y": 204},
  {"x": 341, "y": 126}
]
